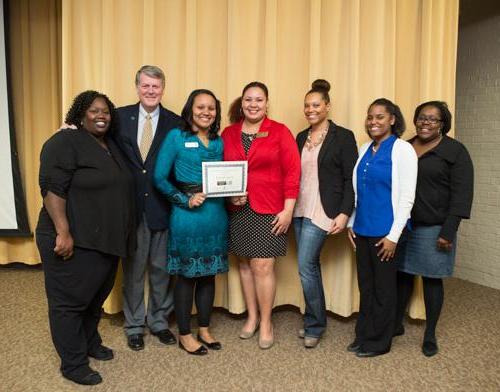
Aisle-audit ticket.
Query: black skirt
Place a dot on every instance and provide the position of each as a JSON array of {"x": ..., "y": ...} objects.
[{"x": 250, "y": 235}]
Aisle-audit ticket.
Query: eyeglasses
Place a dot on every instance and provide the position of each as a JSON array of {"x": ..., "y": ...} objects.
[{"x": 430, "y": 120}]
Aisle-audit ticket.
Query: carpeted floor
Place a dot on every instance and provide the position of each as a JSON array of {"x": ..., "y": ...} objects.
[{"x": 469, "y": 339}]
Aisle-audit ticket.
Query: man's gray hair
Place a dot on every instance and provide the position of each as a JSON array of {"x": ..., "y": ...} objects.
[{"x": 152, "y": 71}]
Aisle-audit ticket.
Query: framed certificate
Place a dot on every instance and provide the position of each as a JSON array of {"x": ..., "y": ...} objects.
[{"x": 224, "y": 178}]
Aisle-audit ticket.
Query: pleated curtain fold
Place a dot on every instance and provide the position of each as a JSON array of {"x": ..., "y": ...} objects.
[{"x": 404, "y": 50}]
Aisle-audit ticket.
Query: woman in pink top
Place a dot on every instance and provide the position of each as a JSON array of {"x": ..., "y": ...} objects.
[{"x": 326, "y": 199}]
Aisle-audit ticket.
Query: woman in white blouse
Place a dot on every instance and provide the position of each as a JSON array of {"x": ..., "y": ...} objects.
[{"x": 384, "y": 181}]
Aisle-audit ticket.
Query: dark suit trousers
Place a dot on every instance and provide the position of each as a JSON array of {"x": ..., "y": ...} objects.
[
  {"x": 76, "y": 290},
  {"x": 378, "y": 296}
]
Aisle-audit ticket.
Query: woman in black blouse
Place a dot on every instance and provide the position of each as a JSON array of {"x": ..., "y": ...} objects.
[
  {"x": 85, "y": 225},
  {"x": 443, "y": 199}
]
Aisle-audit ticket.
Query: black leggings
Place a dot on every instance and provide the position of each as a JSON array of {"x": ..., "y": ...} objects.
[
  {"x": 204, "y": 291},
  {"x": 433, "y": 298}
]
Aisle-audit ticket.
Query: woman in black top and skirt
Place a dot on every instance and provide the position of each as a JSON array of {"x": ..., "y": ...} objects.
[
  {"x": 85, "y": 226},
  {"x": 443, "y": 198}
]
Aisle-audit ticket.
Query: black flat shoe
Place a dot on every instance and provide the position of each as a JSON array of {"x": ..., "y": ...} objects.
[
  {"x": 136, "y": 341},
  {"x": 101, "y": 353},
  {"x": 202, "y": 350},
  {"x": 430, "y": 348},
  {"x": 165, "y": 336},
  {"x": 368, "y": 354},
  {"x": 89, "y": 378},
  {"x": 398, "y": 331},
  {"x": 211, "y": 346},
  {"x": 354, "y": 347}
]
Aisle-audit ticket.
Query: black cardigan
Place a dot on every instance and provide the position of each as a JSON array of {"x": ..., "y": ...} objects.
[
  {"x": 336, "y": 160},
  {"x": 445, "y": 187},
  {"x": 98, "y": 189}
]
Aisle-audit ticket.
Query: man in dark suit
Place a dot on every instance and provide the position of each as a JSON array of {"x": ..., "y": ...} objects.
[{"x": 143, "y": 128}]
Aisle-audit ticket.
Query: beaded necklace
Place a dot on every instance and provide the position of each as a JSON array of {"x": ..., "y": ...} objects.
[{"x": 310, "y": 144}]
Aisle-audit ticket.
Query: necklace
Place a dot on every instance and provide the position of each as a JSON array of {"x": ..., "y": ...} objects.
[{"x": 310, "y": 144}]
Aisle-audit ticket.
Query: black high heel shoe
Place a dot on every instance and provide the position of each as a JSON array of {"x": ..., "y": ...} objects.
[
  {"x": 211, "y": 346},
  {"x": 202, "y": 350}
]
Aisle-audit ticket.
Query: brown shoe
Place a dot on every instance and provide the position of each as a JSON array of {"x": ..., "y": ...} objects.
[
  {"x": 266, "y": 344},
  {"x": 247, "y": 335},
  {"x": 310, "y": 342}
]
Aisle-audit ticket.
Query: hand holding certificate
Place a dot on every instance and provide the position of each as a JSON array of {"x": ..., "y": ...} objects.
[{"x": 222, "y": 179}]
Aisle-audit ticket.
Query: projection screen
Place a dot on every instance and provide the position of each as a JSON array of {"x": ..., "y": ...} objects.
[{"x": 13, "y": 217}]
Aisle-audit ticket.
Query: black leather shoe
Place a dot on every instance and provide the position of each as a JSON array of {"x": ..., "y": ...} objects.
[
  {"x": 399, "y": 330},
  {"x": 211, "y": 346},
  {"x": 87, "y": 378},
  {"x": 136, "y": 341},
  {"x": 202, "y": 350},
  {"x": 368, "y": 354},
  {"x": 101, "y": 353},
  {"x": 354, "y": 347},
  {"x": 430, "y": 348},
  {"x": 165, "y": 336}
]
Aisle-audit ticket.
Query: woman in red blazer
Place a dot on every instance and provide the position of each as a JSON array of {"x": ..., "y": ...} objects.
[{"x": 259, "y": 222}]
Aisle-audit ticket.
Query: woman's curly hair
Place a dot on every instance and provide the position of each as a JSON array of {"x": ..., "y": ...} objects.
[{"x": 80, "y": 105}]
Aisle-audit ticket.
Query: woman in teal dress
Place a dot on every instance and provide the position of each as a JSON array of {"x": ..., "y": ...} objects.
[{"x": 197, "y": 243}]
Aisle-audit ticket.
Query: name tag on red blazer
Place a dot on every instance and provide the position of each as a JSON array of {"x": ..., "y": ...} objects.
[{"x": 261, "y": 134}]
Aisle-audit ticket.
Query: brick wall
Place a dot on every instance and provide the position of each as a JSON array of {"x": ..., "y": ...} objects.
[{"x": 477, "y": 125}]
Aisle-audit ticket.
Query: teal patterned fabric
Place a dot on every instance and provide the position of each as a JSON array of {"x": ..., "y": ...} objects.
[{"x": 198, "y": 237}]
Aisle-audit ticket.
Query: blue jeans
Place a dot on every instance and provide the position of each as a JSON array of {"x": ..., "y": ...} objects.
[{"x": 310, "y": 239}]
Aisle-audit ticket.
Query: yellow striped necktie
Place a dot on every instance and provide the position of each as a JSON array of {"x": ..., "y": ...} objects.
[{"x": 147, "y": 137}]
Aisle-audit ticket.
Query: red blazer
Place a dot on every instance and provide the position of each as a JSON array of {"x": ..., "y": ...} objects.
[{"x": 273, "y": 165}]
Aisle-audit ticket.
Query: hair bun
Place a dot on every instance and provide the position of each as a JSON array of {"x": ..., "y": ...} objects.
[{"x": 321, "y": 84}]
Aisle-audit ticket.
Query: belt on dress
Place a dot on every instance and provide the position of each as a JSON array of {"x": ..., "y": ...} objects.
[{"x": 189, "y": 188}]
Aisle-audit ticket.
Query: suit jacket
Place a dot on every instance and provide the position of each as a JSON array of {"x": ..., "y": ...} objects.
[
  {"x": 336, "y": 159},
  {"x": 148, "y": 200},
  {"x": 273, "y": 164}
]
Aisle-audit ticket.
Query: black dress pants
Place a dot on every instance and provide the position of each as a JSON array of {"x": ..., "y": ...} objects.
[
  {"x": 378, "y": 296},
  {"x": 76, "y": 290}
]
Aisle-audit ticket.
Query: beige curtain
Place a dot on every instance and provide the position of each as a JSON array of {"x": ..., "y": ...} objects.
[
  {"x": 35, "y": 69},
  {"x": 404, "y": 50}
]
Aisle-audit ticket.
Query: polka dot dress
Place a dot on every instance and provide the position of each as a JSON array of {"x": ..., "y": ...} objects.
[{"x": 250, "y": 232}]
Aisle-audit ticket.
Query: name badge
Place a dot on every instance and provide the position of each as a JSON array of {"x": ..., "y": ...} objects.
[
  {"x": 191, "y": 144},
  {"x": 261, "y": 134}
]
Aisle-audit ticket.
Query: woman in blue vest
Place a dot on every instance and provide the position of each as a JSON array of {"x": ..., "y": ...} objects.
[{"x": 384, "y": 181}]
